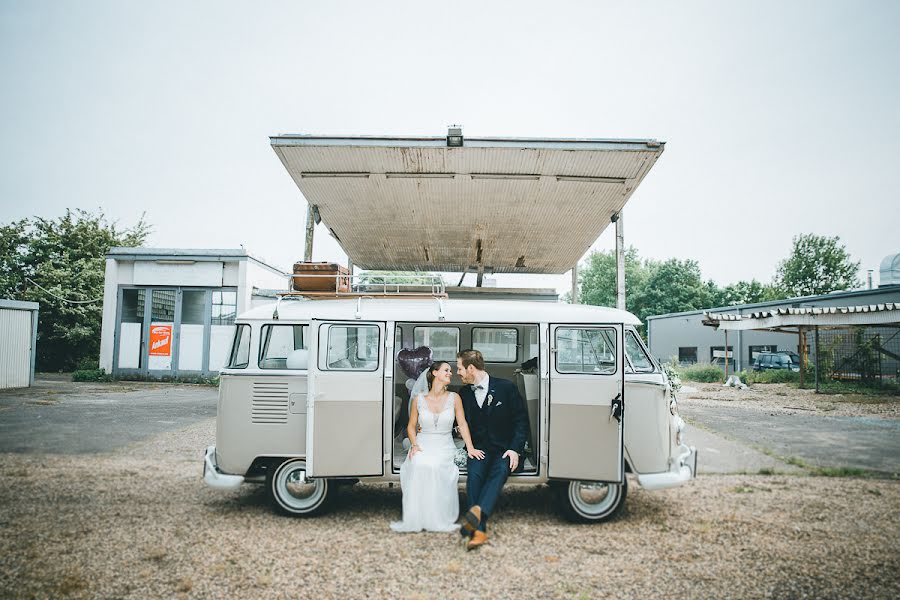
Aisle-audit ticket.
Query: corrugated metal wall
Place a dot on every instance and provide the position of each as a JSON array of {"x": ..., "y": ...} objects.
[{"x": 15, "y": 347}]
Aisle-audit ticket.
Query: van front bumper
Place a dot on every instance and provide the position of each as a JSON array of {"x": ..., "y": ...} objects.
[
  {"x": 684, "y": 468},
  {"x": 215, "y": 478}
]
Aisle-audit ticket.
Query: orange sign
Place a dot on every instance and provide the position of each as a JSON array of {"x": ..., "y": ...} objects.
[{"x": 160, "y": 340}]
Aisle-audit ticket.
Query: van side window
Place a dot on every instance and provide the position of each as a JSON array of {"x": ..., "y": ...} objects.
[
  {"x": 443, "y": 341},
  {"x": 283, "y": 347},
  {"x": 586, "y": 351},
  {"x": 496, "y": 344},
  {"x": 352, "y": 348},
  {"x": 240, "y": 348},
  {"x": 639, "y": 359}
]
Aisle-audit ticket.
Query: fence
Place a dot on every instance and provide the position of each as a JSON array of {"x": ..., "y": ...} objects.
[{"x": 866, "y": 357}]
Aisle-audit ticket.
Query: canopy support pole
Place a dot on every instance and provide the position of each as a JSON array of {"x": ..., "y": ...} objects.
[
  {"x": 816, "y": 342},
  {"x": 575, "y": 299},
  {"x": 310, "y": 231},
  {"x": 802, "y": 334},
  {"x": 620, "y": 261}
]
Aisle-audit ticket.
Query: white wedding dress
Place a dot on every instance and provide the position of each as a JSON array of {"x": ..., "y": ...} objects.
[{"x": 429, "y": 479}]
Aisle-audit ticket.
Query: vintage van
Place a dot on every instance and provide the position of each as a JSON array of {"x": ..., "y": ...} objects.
[{"x": 314, "y": 394}]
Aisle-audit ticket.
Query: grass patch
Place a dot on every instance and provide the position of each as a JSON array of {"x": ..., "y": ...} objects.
[
  {"x": 767, "y": 471},
  {"x": 841, "y": 472}
]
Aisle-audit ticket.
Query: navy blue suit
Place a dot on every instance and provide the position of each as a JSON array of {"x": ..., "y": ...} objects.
[{"x": 500, "y": 424}]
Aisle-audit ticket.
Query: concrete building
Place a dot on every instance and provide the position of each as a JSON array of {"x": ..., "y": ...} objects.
[
  {"x": 18, "y": 340},
  {"x": 683, "y": 335},
  {"x": 170, "y": 312}
]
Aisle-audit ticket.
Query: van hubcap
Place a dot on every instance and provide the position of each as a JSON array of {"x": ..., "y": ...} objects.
[
  {"x": 296, "y": 491},
  {"x": 592, "y": 499}
]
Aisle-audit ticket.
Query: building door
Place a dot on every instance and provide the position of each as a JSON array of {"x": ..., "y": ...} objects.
[
  {"x": 161, "y": 332},
  {"x": 345, "y": 399},
  {"x": 587, "y": 387}
]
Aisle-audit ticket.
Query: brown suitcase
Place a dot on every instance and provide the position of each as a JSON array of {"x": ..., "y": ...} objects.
[{"x": 320, "y": 277}]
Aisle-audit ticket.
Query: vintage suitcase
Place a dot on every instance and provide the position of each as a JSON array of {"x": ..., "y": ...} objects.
[{"x": 320, "y": 277}]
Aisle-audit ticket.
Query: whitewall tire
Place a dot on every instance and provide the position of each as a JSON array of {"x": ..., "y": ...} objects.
[
  {"x": 292, "y": 493},
  {"x": 588, "y": 502}
]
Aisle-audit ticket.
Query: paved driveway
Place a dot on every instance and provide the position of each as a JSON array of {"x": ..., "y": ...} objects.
[
  {"x": 863, "y": 442},
  {"x": 60, "y": 417}
]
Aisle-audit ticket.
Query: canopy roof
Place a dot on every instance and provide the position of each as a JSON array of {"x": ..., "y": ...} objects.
[
  {"x": 785, "y": 319},
  {"x": 506, "y": 205}
]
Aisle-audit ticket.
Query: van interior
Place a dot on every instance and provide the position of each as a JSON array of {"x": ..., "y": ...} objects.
[{"x": 510, "y": 352}]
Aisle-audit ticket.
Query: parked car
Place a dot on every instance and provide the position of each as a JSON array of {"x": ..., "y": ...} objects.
[{"x": 767, "y": 361}]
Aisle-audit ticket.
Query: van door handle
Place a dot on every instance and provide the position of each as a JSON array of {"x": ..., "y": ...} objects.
[{"x": 615, "y": 408}]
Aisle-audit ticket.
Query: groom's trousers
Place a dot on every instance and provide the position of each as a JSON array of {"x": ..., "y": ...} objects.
[{"x": 485, "y": 479}]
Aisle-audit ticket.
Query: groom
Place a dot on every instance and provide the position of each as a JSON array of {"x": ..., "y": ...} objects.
[{"x": 498, "y": 424}]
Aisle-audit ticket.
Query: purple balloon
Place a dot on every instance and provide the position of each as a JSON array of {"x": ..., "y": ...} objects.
[{"x": 413, "y": 362}]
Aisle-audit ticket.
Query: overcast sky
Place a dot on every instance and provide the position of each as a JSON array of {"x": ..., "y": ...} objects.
[{"x": 780, "y": 117}]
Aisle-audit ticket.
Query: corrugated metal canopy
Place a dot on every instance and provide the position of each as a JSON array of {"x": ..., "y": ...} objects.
[
  {"x": 823, "y": 316},
  {"x": 507, "y": 205}
]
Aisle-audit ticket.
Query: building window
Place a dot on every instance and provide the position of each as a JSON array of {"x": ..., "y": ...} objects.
[
  {"x": 687, "y": 355},
  {"x": 224, "y": 308},
  {"x": 443, "y": 341},
  {"x": 586, "y": 351},
  {"x": 496, "y": 344},
  {"x": 718, "y": 356}
]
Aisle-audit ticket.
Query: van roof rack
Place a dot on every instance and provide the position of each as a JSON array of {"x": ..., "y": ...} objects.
[{"x": 338, "y": 285}]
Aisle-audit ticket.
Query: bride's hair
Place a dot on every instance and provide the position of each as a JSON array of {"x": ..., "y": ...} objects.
[{"x": 434, "y": 367}]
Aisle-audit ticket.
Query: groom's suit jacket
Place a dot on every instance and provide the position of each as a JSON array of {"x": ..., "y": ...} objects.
[{"x": 501, "y": 423}]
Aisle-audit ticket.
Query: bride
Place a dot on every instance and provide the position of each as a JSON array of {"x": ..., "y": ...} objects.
[{"x": 428, "y": 476}]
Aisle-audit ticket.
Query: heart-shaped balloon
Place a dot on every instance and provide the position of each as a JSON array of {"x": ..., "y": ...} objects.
[{"x": 413, "y": 362}]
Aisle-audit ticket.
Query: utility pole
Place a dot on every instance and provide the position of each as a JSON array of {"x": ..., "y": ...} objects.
[
  {"x": 310, "y": 229},
  {"x": 620, "y": 260}
]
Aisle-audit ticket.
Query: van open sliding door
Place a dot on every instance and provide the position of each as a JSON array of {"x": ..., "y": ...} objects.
[
  {"x": 587, "y": 387},
  {"x": 345, "y": 399}
]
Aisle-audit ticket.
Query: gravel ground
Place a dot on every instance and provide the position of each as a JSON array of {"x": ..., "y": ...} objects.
[
  {"x": 139, "y": 523},
  {"x": 781, "y": 398}
]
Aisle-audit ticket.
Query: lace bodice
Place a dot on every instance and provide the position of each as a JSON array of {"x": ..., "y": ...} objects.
[{"x": 440, "y": 422}]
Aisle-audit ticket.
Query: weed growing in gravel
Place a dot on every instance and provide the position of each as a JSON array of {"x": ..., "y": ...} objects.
[{"x": 767, "y": 471}]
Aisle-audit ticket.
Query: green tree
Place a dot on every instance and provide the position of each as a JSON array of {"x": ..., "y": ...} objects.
[
  {"x": 60, "y": 263},
  {"x": 672, "y": 286},
  {"x": 651, "y": 287},
  {"x": 817, "y": 265},
  {"x": 743, "y": 292},
  {"x": 597, "y": 278}
]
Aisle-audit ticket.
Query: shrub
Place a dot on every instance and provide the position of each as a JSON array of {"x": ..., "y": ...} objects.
[
  {"x": 90, "y": 375},
  {"x": 88, "y": 364},
  {"x": 773, "y": 376},
  {"x": 703, "y": 373}
]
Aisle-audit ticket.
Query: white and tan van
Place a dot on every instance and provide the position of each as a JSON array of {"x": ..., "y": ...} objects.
[{"x": 314, "y": 394}]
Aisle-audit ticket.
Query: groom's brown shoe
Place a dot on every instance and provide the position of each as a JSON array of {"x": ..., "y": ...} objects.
[
  {"x": 478, "y": 539},
  {"x": 470, "y": 521}
]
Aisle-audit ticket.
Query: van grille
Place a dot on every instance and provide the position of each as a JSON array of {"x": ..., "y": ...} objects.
[{"x": 270, "y": 403}]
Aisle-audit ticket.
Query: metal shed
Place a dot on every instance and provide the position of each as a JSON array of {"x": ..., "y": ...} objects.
[
  {"x": 18, "y": 342},
  {"x": 501, "y": 205}
]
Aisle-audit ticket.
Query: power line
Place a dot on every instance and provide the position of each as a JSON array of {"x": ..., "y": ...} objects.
[{"x": 60, "y": 297}]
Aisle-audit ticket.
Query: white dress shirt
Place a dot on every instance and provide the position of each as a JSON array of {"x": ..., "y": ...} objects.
[{"x": 481, "y": 394}]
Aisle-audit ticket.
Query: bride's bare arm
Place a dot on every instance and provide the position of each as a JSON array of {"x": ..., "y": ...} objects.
[
  {"x": 411, "y": 428},
  {"x": 464, "y": 429}
]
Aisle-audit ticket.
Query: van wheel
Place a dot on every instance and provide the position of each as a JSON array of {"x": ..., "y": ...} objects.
[
  {"x": 292, "y": 493},
  {"x": 589, "y": 502}
]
